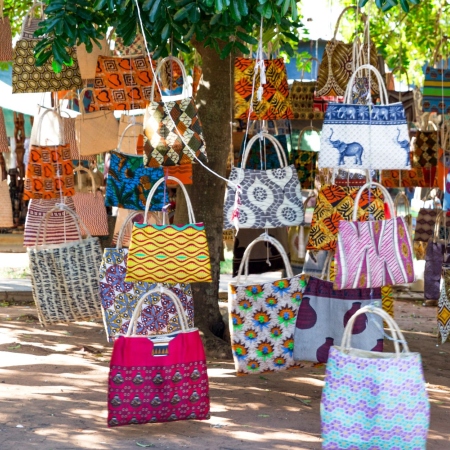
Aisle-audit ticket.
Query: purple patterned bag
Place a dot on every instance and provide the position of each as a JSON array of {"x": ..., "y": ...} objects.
[
  {"x": 374, "y": 400},
  {"x": 374, "y": 253}
]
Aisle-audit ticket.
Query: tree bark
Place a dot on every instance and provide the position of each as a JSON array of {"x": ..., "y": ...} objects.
[{"x": 207, "y": 193}]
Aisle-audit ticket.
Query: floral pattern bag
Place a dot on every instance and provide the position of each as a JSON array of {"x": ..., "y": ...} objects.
[{"x": 262, "y": 317}]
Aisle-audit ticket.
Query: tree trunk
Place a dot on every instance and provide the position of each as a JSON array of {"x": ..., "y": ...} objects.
[{"x": 207, "y": 193}]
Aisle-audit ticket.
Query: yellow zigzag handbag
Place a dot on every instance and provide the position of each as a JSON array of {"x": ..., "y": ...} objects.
[{"x": 169, "y": 253}]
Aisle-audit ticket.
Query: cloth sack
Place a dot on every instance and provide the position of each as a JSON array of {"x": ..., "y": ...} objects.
[
  {"x": 4, "y": 147},
  {"x": 336, "y": 203},
  {"x": 60, "y": 228},
  {"x": 64, "y": 277},
  {"x": 129, "y": 183},
  {"x": 88, "y": 61},
  {"x": 169, "y": 253},
  {"x": 130, "y": 130},
  {"x": 364, "y": 390},
  {"x": 159, "y": 379},
  {"x": 119, "y": 298},
  {"x": 443, "y": 316},
  {"x": 183, "y": 173},
  {"x": 365, "y": 136},
  {"x": 268, "y": 198},
  {"x": 262, "y": 317},
  {"x": 425, "y": 223},
  {"x": 301, "y": 97},
  {"x": 172, "y": 126},
  {"x": 323, "y": 315},
  {"x": 6, "y": 50},
  {"x": 436, "y": 90},
  {"x": 274, "y": 103},
  {"x": 405, "y": 97},
  {"x": 6, "y": 212},
  {"x": 374, "y": 253},
  {"x": 123, "y": 83},
  {"x": 97, "y": 131}
]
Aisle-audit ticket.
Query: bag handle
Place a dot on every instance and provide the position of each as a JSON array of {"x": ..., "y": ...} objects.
[
  {"x": 398, "y": 198},
  {"x": 127, "y": 222},
  {"x": 137, "y": 124},
  {"x": 72, "y": 214},
  {"x": 38, "y": 125},
  {"x": 171, "y": 98},
  {"x": 338, "y": 21},
  {"x": 440, "y": 219},
  {"x": 89, "y": 172},
  {"x": 302, "y": 132},
  {"x": 264, "y": 238},
  {"x": 138, "y": 310},
  {"x": 263, "y": 135},
  {"x": 397, "y": 335},
  {"x": 186, "y": 195},
  {"x": 29, "y": 15},
  {"x": 436, "y": 204},
  {"x": 368, "y": 67},
  {"x": 387, "y": 199}
]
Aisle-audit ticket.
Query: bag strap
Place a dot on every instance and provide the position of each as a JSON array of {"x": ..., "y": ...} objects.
[
  {"x": 39, "y": 126},
  {"x": 162, "y": 291},
  {"x": 383, "y": 92},
  {"x": 264, "y": 238},
  {"x": 397, "y": 335},
  {"x": 127, "y": 222},
  {"x": 263, "y": 135},
  {"x": 387, "y": 199},
  {"x": 336, "y": 28},
  {"x": 186, "y": 195},
  {"x": 302, "y": 132},
  {"x": 436, "y": 204},
  {"x": 136, "y": 124},
  {"x": 398, "y": 198},
  {"x": 171, "y": 98},
  {"x": 91, "y": 175}
]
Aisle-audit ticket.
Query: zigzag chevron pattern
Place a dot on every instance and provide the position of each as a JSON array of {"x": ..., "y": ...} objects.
[{"x": 169, "y": 253}]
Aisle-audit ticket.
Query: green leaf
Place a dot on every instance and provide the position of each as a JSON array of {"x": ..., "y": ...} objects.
[
  {"x": 147, "y": 5},
  {"x": 215, "y": 18},
  {"x": 247, "y": 38},
  {"x": 243, "y": 8},
  {"x": 54, "y": 6},
  {"x": 218, "y": 6},
  {"x": 100, "y": 4},
  {"x": 194, "y": 14},
  {"x": 165, "y": 33},
  {"x": 285, "y": 7},
  {"x": 294, "y": 12},
  {"x": 155, "y": 10},
  {"x": 190, "y": 33},
  {"x": 234, "y": 11},
  {"x": 56, "y": 66},
  {"x": 267, "y": 10},
  {"x": 226, "y": 50},
  {"x": 181, "y": 14},
  {"x": 242, "y": 48}
]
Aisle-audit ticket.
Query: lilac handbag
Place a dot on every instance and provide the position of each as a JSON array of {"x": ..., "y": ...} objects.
[{"x": 374, "y": 253}]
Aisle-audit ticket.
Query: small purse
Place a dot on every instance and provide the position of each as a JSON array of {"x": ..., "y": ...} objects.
[
  {"x": 301, "y": 96},
  {"x": 305, "y": 161},
  {"x": 405, "y": 97}
]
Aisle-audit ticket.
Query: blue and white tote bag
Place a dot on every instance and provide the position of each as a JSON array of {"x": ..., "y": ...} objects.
[{"x": 365, "y": 136}]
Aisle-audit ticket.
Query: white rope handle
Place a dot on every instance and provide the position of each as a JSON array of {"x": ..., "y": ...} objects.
[
  {"x": 171, "y": 98},
  {"x": 383, "y": 92},
  {"x": 186, "y": 195},
  {"x": 89, "y": 172},
  {"x": 264, "y": 238},
  {"x": 338, "y": 21},
  {"x": 278, "y": 148},
  {"x": 138, "y": 309},
  {"x": 130, "y": 217},
  {"x": 36, "y": 137},
  {"x": 392, "y": 325},
  {"x": 402, "y": 196},
  {"x": 137, "y": 124},
  {"x": 302, "y": 132},
  {"x": 387, "y": 199}
]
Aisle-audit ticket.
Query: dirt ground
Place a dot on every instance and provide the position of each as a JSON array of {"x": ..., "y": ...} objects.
[{"x": 53, "y": 393}]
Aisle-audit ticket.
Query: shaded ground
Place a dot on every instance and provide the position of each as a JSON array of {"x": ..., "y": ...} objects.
[{"x": 53, "y": 393}]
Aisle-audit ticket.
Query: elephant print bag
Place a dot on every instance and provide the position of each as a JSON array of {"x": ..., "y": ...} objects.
[{"x": 365, "y": 136}]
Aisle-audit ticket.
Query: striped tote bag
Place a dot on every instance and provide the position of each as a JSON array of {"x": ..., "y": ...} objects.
[{"x": 436, "y": 91}]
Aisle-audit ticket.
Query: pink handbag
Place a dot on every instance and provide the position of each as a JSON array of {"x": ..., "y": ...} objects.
[
  {"x": 158, "y": 378},
  {"x": 374, "y": 253}
]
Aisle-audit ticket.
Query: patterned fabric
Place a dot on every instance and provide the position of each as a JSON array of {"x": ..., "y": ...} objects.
[
  {"x": 49, "y": 173},
  {"x": 275, "y": 102},
  {"x": 262, "y": 323},
  {"x": 27, "y": 77},
  {"x": 334, "y": 204},
  {"x": 407, "y": 100},
  {"x": 60, "y": 229},
  {"x": 436, "y": 91},
  {"x": 164, "y": 145},
  {"x": 426, "y": 149},
  {"x": 425, "y": 222},
  {"x": 137, "y": 47},
  {"x": 6, "y": 212},
  {"x": 4, "y": 148},
  {"x": 387, "y": 300},
  {"x": 443, "y": 316},
  {"x": 92, "y": 212},
  {"x": 169, "y": 253},
  {"x": 129, "y": 183},
  {"x": 183, "y": 173},
  {"x": 372, "y": 401},
  {"x": 323, "y": 315},
  {"x": 373, "y": 254},
  {"x": 269, "y": 198},
  {"x": 123, "y": 83},
  {"x": 365, "y": 137},
  {"x": 119, "y": 299},
  {"x": 145, "y": 387},
  {"x": 6, "y": 50},
  {"x": 434, "y": 258},
  {"x": 64, "y": 281},
  {"x": 301, "y": 97},
  {"x": 405, "y": 178},
  {"x": 306, "y": 164}
]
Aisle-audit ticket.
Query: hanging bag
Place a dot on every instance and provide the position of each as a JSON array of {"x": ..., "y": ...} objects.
[
  {"x": 262, "y": 317},
  {"x": 88, "y": 61},
  {"x": 426, "y": 153},
  {"x": 374, "y": 253},
  {"x": 169, "y": 253},
  {"x": 386, "y": 384},
  {"x": 6, "y": 50},
  {"x": 119, "y": 298},
  {"x": 130, "y": 131},
  {"x": 426, "y": 221},
  {"x": 4, "y": 143},
  {"x": 64, "y": 277},
  {"x": 32, "y": 21},
  {"x": 268, "y": 198},
  {"x": 443, "y": 315},
  {"x": 158, "y": 379},
  {"x": 172, "y": 126},
  {"x": 301, "y": 96},
  {"x": 405, "y": 97},
  {"x": 6, "y": 212}
]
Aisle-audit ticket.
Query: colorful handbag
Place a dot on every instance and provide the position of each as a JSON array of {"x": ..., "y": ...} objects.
[
  {"x": 443, "y": 315},
  {"x": 6, "y": 50},
  {"x": 425, "y": 222},
  {"x": 274, "y": 102},
  {"x": 425, "y": 154},
  {"x": 169, "y": 253},
  {"x": 129, "y": 183},
  {"x": 436, "y": 90},
  {"x": 64, "y": 278},
  {"x": 405, "y": 97},
  {"x": 336, "y": 203},
  {"x": 173, "y": 127},
  {"x": 364, "y": 390},
  {"x": 262, "y": 317},
  {"x": 59, "y": 229},
  {"x": 365, "y": 136},
  {"x": 374, "y": 253},
  {"x": 123, "y": 83},
  {"x": 97, "y": 131},
  {"x": 90, "y": 207},
  {"x": 301, "y": 97},
  {"x": 158, "y": 379},
  {"x": 268, "y": 198},
  {"x": 119, "y": 298},
  {"x": 323, "y": 315}
]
